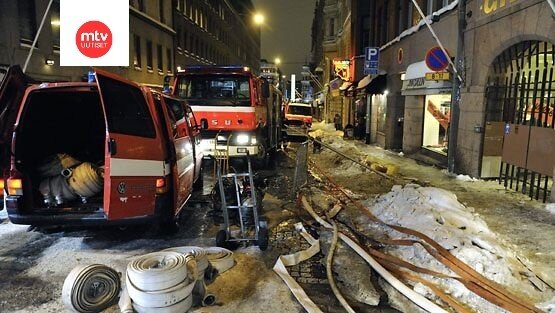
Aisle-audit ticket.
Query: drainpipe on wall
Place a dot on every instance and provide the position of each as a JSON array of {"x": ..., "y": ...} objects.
[{"x": 37, "y": 36}]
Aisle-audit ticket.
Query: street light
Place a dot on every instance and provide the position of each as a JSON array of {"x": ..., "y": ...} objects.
[
  {"x": 259, "y": 19},
  {"x": 277, "y": 61}
]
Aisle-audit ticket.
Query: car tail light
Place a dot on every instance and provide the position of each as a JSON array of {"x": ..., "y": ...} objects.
[
  {"x": 161, "y": 186},
  {"x": 1, "y": 187},
  {"x": 15, "y": 187}
]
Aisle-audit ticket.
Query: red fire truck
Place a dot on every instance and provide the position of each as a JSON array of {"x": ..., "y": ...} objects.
[
  {"x": 104, "y": 152},
  {"x": 239, "y": 112}
]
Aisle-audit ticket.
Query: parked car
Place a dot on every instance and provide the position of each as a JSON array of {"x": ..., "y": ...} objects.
[
  {"x": 298, "y": 119},
  {"x": 105, "y": 152}
]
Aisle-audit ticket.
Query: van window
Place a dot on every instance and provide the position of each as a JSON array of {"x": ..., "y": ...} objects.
[
  {"x": 126, "y": 109},
  {"x": 176, "y": 107},
  {"x": 299, "y": 110}
]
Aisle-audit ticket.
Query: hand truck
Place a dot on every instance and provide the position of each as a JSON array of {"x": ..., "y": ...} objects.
[{"x": 247, "y": 206}]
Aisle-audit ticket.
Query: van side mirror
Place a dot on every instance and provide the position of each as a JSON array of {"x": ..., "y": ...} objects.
[
  {"x": 166, "y": 87},
  {"x": 203, "y": 124},
  {"x": 265, "y": 89}
]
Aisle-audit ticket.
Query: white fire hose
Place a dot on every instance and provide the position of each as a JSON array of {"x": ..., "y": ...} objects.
[
  {"x": 159, "y": 280},
  {"x": 220, "y": 258},
  {"x": 90, "y": 288},
  {"x": 204, "y": 272}
]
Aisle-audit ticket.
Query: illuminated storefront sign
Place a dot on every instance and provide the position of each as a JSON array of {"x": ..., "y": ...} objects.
[
  {"x": 341, "y": 69},
  {"x": 490, "y": 6}
]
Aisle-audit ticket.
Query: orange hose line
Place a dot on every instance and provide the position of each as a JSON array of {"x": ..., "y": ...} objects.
[{"x": 484, "y": 287}]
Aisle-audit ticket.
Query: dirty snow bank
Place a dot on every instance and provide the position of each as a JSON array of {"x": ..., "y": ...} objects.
[{"x": 438, "y": 214}]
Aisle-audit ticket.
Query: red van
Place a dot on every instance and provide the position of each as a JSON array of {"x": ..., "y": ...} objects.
[{"x": 105, "y": 152}]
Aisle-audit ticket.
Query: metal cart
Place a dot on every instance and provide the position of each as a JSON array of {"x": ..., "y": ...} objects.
[{"x": 247, "y": 206}]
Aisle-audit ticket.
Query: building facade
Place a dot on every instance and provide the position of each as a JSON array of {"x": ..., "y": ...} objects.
[
  {"x": 507, "y": 62},
  {"x": 164, "y": 35},
  {"x": 216, "y": 32}
]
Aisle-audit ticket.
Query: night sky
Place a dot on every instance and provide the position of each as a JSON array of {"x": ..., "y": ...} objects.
[{"x": 286, "y": 32}]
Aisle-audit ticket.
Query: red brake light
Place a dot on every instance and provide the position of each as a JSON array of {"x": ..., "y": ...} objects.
[
  {"x": 161, "y": 186},
  {"x": 1, "y": 187}
]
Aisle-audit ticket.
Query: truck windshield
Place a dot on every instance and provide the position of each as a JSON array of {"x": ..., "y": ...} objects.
[
  {"x": 299, "y": 110},
  {"x": 214, "y": 90}
]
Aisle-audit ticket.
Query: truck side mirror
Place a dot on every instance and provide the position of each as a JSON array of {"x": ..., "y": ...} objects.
[{"x": 265, "y": 89}]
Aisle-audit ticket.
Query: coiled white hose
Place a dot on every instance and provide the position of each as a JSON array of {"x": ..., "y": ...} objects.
[
  {"x": 90, "y": 288},
  {"x": 220, "y": 258},
  {"x": 86, "y": 180},
  {"x": 158, "y": 282}
]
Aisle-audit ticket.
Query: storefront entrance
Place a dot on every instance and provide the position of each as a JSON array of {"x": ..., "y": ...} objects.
[
  {"x": 435, "y": 134},
  {"x": 519, "y": 136}
]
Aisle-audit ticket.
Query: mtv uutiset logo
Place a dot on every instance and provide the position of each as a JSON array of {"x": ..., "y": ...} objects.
[
  {"x": 94, "y": 33},
  {"x": 94, "y": 39}
]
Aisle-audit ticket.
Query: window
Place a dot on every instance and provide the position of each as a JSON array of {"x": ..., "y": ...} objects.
[
  {"x": 169, "y": 65},
  {"x": 331, "y": 30},
  {"x": 137, "y": 49},
  {"x": 381, "y": 101},
  {"x": 149, "y": 55},
  {"x": 402, "y": 18},
  {"x": 126, "y": 109},
  {"x": 159, "y": 59},
  {"x": 161, "y": 10},
  {"x": 55, "y": 24},
  {"x": 215, "y": 90},
  {"x": 138, "y": 4},
  {"x": 176, "y": 107},
  {"x": 27, "y": 21},
  {"x": 179, "y": 34}
]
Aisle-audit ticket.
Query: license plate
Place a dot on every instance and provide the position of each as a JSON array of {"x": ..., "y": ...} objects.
[{"x": 241, "y": 150}]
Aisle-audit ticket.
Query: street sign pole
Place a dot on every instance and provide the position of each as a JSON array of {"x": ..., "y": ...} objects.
[{"x": 456, "y": 93}]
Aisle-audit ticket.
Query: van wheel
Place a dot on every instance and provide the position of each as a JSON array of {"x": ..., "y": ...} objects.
[
  {"x": 199, "y": 184},
  {"x": 168, "y": 224}
]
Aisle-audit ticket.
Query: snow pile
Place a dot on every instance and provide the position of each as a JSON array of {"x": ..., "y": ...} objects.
[
  {"x": 550, "y": 208},
  {"x": 466, "y": 178},
  {"x": 438, "y": 214},
  {"x": 324, "y": 130}
]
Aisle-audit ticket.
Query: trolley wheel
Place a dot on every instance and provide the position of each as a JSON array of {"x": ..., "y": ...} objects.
[
  {"x": 262, "y": 238},
  {"x": 221, "y": 239}
]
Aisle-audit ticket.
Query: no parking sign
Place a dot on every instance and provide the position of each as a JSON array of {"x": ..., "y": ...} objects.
[{"x": 436, "y": 59}]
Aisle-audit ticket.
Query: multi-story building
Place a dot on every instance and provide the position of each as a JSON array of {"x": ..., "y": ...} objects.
[
  {"x": 164, "y": 35},
  {"x": 507, "y": 55},
  {"x": 216, "y": 32},
  {"x": 336, "y": 47}
]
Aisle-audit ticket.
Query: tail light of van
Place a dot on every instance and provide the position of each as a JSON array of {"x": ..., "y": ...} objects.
[
  {"x": 161, "y": 186},
  {"x": 15, "y": 186}
]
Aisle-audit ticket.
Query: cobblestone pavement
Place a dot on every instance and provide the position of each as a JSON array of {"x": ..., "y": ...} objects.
[{"x": 311, "y": 274}]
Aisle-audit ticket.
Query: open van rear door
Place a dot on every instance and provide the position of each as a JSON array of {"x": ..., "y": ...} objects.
[
  {"x": 12, "y": 89},
  {"x": 134, "y": 155}
]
